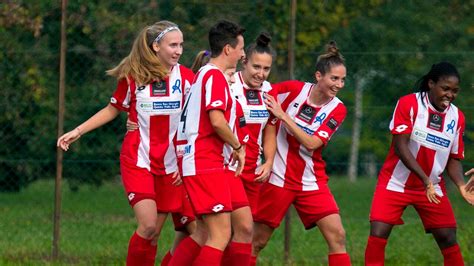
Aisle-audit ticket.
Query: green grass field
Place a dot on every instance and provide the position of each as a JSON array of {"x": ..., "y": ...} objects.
[{"x": 97, "y": 223}]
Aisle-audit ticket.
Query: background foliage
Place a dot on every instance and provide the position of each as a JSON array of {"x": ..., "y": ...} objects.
[{"x": 388, "y": 45}]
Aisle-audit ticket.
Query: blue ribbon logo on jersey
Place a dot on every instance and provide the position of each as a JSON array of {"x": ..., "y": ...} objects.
[
  {"x": 320, "y": 118},
  {"x": 177, "y": 86},
  {"x": 451, "y": 126}
]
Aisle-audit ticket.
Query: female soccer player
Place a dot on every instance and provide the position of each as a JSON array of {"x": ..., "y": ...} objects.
[
  {"x": 182, "y": 231},
  {"x": 205, "y": 121},
  {"x": 251, "y": 116},
  {"x": 150, "y": 88},
  {"x": 250, "y": 90},
  {"x": 308, "y": 115},
  {"x": 427, "y": 131}
]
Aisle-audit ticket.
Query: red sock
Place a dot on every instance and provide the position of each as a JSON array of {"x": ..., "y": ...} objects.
[
  {"x": 140, "y": 251},
  {"x": 166, "y": 259},
  {"x": 208, "y": 256},
  {"x": 185, "y": 252},
  {"x": 240, "y": 253},
  {"x": 226, "y": 256},
  {"x": 452, "y": 256},
  {"x": 339, "y": 259},
  {"x": 375, "y": 251},
  {"x": 253, "y": 260}
]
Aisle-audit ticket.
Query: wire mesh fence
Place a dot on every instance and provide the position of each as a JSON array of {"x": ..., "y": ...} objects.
[{"x": 385, "y": 55}]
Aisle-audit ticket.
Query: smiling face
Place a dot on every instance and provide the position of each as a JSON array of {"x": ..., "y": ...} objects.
[
  {"x": 256, "y": 69},
  {"x": 170, "y": 48},
  {"x": 332, "y": 82},
  {"x": 443, "y": 92}
]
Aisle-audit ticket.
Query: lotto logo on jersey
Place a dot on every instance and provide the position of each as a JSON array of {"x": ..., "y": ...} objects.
[
  {"x": 131, "y": 196},
  {"x": 217, "y": 103},
  {"x": 183, "y": 219},
  {"x": 401, "y": 128},
  {"x": 218, "y": 208},
  {"x": 323, "y": 134}
]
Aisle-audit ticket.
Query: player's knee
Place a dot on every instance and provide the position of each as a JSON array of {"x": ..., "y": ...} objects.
[
  {"x": 258, "y": 244},
  {"x": 446, "y": 239},
  {"x": 148, "y": 229},
  {"x": 220, "y": 238},
  {"x": 243, "y": 232}
]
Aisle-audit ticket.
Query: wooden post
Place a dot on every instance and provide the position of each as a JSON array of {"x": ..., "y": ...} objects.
[
  {"x": 291, "y": 68},
  {"x": 59, "y": 152}
]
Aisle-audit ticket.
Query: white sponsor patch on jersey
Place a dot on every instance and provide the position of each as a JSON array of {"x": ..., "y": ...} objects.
[
  {"x": 430, "y": 140},
  {"x": 159, "y": 107}
]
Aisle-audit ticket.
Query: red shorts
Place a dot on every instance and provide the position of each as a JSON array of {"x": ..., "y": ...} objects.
[
  {"x": 311, "y": 206},
  {"x": 210, "y": 192},
  {"x": 252, "y": 189},
  {"x": 141, "y": 184},
  {"x": 388, "y": 207},
  {"x": 185, "y": 217},
  {"x": 237, "y": 191}
]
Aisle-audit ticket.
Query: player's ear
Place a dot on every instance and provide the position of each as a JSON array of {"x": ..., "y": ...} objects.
[
  {"x": 318, "y": 75},
  {"x": 431, "y": 84},
  {"x": 155, "y": 46}
]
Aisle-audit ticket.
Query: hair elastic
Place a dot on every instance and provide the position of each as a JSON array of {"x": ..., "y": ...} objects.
[{"x": 160, "y": 36}]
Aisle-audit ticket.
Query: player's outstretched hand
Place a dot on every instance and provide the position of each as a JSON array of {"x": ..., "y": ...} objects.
[
  {"x": 468, "y": 196},
  {"x": 68, "y": 138},
  {"x": 470, "y": 183}
]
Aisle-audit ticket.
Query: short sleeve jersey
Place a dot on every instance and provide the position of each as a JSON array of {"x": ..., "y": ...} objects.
[
  {"x": 156, "y": 107},
  {"x": 434, "y": 138},
  {"x": 204, "y": 149},
  {"x": 256, "y": 117},
  {"x": 295, "y": 167}
]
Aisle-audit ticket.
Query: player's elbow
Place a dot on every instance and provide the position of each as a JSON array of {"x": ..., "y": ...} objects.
[{"x": 311, "y": 146}]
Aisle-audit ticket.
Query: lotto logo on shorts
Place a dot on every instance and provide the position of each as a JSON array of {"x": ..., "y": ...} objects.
[
  {"x": 218, "y": 208},
  {"x": 183, "y": 219},
  {"x": 131, "y": 196}
]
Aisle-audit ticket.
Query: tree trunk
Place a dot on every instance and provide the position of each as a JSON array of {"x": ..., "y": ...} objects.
[{"x": 354, "y": 154}]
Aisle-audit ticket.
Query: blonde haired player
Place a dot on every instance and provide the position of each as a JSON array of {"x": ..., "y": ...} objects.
[{"x": 150, "y": 89}]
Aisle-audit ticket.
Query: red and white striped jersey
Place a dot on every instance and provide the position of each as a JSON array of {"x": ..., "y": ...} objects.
[
  {"x": 256, "y": 117},
  {"x": 434, "y": 138},
  {"x": 156, "y": 107},
  {"x": 204, "y": 150},
  {"x": 296, "y": 167},
  {"x": 238, "y": 125}
]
